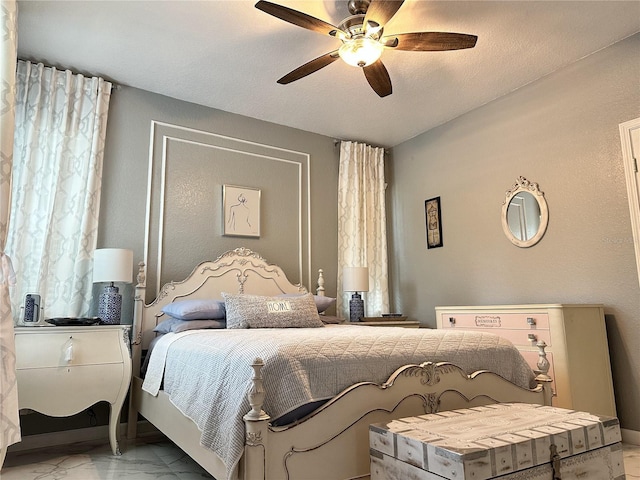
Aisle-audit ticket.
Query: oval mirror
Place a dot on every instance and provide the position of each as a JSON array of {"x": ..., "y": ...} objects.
[{"x": 524, "y": 213}]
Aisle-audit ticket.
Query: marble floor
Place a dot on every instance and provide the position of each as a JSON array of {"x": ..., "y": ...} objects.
[
  {"x": 152, "y": 458},
  {"x": 631, "y": 461}
]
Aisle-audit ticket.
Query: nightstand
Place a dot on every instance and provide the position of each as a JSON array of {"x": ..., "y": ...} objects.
[{"x": 64, "y": 370}]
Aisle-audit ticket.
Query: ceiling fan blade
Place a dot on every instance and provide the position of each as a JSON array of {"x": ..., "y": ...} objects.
[
  {"x": 381, "y": 11},
  {"x": 297, "y": 18},
  {"x": 429, "y": 41},
  {"x": 310, "y": 67},
  {"x": 378, "y": 78}
]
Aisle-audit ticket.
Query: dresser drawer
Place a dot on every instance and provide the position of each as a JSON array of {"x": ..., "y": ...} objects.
[
  {"x": 52, "y": 349},
  {"x": 525, "y": 321},
  {"x": 520, "y": 338}
]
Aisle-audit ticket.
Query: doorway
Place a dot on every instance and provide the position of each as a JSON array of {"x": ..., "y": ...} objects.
[{"x": 630, "y": 138}]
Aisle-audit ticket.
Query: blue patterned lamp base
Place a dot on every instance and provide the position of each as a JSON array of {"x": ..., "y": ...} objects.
[
  {"x": 356, "y": 308},
  {"x": 109, "y": 305}
]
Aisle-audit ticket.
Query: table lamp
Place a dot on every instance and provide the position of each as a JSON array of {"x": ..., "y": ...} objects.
[
  {"x": 111, "y": 265},
  {"x": 355, "y": 279}
]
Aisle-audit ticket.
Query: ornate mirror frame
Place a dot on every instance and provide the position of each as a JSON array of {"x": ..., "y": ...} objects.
[{"x": 524, "y": 185}]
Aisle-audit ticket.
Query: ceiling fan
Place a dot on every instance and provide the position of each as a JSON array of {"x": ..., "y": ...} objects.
[{"x": 363, "y": 41}]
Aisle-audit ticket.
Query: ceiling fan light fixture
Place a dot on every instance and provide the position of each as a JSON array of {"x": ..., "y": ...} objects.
[
  {"x": 361, "y": 51},
  {"x": 363, "y": 41}
]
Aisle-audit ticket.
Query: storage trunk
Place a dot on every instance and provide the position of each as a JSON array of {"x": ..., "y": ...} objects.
[{"x": 505, "y": 441}]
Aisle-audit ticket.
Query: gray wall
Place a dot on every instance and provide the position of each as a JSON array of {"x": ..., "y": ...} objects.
[
  {"x": 125, "y": 186},
  {"x": 562, "y": 132}
]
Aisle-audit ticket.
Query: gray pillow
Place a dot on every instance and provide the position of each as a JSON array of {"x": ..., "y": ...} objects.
[
  {"x": 322, "y": 303},
  {"x": 255, "y": 311},
  {"x": 176, "y": 325},
  {"x": 195, "y": 309}
]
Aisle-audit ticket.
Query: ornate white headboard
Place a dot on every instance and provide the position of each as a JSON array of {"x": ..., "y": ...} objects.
[{"x": 236, "y": 271}]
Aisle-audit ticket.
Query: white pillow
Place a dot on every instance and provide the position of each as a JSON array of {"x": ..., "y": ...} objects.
[{"x": 255, "y": 311}]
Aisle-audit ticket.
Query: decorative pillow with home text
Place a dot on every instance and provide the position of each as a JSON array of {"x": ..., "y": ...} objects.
[{"x": 256, "y": 311}]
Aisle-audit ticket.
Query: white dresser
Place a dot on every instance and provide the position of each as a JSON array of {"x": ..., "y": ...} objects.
[
  {"x": 576, "y": 339},
  {"x": 64, "y": 370}
]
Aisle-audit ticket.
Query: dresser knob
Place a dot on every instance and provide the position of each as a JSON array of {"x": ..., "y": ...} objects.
[
  {"x": 452, "y": 320},
  {"x": 532, "y": 337},
  {"x": 531, "y": 321},
  {"x": 68, "y": 351}
]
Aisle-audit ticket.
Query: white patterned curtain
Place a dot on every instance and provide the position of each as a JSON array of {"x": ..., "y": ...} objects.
[
  {"x": 362, "y": 231},
  {"x": 61, "y": 121},
  {"x": 9, "y": 419}
]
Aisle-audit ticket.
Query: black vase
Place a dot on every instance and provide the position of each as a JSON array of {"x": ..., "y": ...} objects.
[{"x": 356, "y": 308}]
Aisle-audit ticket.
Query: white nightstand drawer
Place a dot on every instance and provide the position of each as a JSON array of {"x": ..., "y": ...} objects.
[
  {"x": 526, "y": 321},
  {"x": 59, "y": 399},
  {"x": 41, "y": 349}
]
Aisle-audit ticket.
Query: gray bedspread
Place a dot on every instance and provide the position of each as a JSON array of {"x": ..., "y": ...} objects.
[{"x": 207, "y": 375}]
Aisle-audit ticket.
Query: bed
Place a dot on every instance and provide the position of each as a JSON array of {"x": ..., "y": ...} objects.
[{"x": 296, "y": 403}]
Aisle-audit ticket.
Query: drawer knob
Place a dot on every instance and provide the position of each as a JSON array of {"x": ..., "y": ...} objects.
[
  {"x": 532, "y": 337},
  {"x": 452, "y": 320},
  {"x": 531, "y": 321},
  {"x": 68, "y": 351}
]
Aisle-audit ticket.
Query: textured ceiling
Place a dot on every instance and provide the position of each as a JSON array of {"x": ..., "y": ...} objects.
[{"x": 228, "y": 55}]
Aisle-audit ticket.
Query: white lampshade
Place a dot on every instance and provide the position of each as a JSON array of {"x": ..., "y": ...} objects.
[
  {"x": 113, "y": 265},
  {"x": 355, "y": 279}
]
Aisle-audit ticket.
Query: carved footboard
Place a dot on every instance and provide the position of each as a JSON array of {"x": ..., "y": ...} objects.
[{"x": 333, "y": 441}]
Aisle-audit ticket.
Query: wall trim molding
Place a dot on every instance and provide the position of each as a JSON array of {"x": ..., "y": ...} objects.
[{"x": 153, "y": 156}]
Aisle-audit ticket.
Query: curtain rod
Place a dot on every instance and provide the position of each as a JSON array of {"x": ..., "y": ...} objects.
[
  {"x": 114, "y": 85},
  {"x": 337, "y": 141}
]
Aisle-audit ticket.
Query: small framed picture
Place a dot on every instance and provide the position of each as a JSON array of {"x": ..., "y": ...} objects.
[
  {"x": 434, "y": 222},
  {"x": 241, "y": 213}
]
